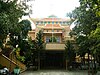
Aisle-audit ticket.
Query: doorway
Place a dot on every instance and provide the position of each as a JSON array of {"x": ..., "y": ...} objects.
[{"x": 53, "y": 60}]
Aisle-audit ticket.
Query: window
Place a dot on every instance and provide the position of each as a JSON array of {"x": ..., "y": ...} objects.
[
  {"x": 47, "y": 39},
  {"x": 52, "y": 22},
  {"x": 52, "y": 30},
  {"x": 41, "y": 22},
  {"x": 49, "y": 22},
  {"x": 45, "y": 22},
  {"x": 37, "y": 22},
  {"x": 57, "y": 30},
  {"x": 63, "y": 22},
  {"x": 56, "y": 22},
  {"x": 58, "y": 39}
]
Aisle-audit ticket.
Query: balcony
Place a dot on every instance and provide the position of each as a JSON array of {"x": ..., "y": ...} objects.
[
  {"x": 55, "y": 46},
  {"x": 53, "y": 32}
]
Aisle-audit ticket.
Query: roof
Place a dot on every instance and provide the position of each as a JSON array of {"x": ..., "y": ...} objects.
[
  {"x": 53, "y": 19},
  {"x": 52, "y": 26},
  {"x": 50, "y": 19},
  {"x": 52, "y": 16}
]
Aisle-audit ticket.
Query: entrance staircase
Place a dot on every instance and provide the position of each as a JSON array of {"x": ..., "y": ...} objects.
[{"x": 11, "y": 63}]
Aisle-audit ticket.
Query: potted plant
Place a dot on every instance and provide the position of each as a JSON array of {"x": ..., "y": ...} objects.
[{"x": 16, "y": 70}]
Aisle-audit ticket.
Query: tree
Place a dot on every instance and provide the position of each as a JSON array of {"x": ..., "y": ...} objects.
[
  {"x": 39, "y": 40},
  {"x": 23, "y": 41},
  {"x": 39, "y": 45},
  {"x": 95, "y": 40},
  {"x": 69, "y": 53},
  {"x": 25, "y": 26},
  {"x": 87, "y": 18},
  {"x": 10, "y": 13},
  {"x": 28, "y": 51}
]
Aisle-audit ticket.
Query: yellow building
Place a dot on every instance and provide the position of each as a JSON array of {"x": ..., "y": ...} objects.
[
  {"x": 52, "y": 27},
  {"x": 55, "y": 50}
]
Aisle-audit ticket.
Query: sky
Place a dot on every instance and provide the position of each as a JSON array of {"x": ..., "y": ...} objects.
[
  {"x": 59, "y": 8},
  {"x": 45, "y": 8}
]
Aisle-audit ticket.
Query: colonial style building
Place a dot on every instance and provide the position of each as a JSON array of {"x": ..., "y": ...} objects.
[
  {"x": 52, "y": 27},
  {"x": 55, "y": 33}
]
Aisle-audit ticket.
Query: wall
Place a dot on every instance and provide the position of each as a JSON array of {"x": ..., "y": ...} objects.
[
  {"x": 55, "y": 46},
  {"x": 31, "y": 34}
]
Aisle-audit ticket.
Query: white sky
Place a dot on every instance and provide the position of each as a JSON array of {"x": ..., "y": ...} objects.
[{"x": 45, "y": 8}]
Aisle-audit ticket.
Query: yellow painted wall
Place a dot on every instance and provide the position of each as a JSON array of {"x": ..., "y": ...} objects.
[
  {"x": 31, "y": 34},
  {"x": 55, "y": 46}
]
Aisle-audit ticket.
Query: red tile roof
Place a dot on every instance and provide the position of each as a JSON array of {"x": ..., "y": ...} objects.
[
  {"x": 54, "y": 19},
  {"x": 52, "y": 26},
  {"x": 50, "y": 19}
]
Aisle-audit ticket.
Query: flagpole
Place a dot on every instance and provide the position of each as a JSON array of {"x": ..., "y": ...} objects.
[{"x": 52, "y": 30}]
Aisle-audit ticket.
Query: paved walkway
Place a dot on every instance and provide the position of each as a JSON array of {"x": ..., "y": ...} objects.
[{"x": 54, "y": 72}]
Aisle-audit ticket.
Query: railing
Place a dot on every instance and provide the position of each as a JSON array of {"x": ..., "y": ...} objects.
[
  {"x": 52, "y": 32},
  {"x": 55, "y": 46},
  {"x": 20, "y": 64},
  {"x": 10, "y": 64}
]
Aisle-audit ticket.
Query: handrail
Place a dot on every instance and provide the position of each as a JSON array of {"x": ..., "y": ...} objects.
[
  {"x": 8, "y": 59},
  {"x": 7, "y": 62}
]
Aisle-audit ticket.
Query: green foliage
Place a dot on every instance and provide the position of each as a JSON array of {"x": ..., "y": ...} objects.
[
  {"x": 26, "y": 52},
  {"x": 25, "y": 26},
  {"x": 21, "y": 58},
  {"x": 39, "y": 46},
  {"x": 21, "y": 33},
  {"x": 1, "y": 66},
  {"x": 95, "y": 40},
  {"x": 87, "y": 29},
  {"x": 17, "y": 67},
  {"x": 39, "y": 40},
  {"x": 69, "y": 51},
  {"x": 53, "y": 39},
  {"x": 10, "y": 13}
]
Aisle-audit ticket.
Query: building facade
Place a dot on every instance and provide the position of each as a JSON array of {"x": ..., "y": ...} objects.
[
  {"x": 55, "y": 33},
  {"x": 53, "y": 28}
]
